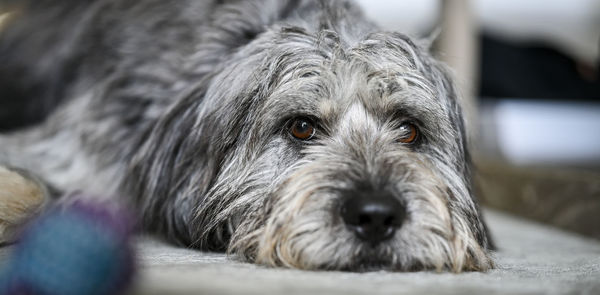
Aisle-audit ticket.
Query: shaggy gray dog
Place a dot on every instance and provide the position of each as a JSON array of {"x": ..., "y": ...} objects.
[{"x": 289, "y": 133}]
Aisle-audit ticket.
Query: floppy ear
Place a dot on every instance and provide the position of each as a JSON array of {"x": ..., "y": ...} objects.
[
  {"x": 175, "y": 153},
  {"x": 180, "y": 157}
]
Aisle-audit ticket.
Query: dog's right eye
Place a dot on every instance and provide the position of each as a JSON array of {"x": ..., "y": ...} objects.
[
  {"x": 302, "y": 128},
  {"x": 409, "y": 133}
]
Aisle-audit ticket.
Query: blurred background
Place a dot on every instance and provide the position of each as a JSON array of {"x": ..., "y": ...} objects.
[{"x": 529, "y": 75}]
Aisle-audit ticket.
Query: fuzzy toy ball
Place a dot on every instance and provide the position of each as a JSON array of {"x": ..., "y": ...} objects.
[{"x": 83, "y": 248}]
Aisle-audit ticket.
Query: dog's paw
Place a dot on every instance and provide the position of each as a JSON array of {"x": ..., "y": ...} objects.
[{"x": 20, "y": 199}]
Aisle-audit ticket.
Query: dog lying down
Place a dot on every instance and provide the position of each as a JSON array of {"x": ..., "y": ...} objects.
[{"x": 287, "y": 133}]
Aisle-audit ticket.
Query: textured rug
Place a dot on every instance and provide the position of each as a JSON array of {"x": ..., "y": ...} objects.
[{"x": 531, "y": 259}]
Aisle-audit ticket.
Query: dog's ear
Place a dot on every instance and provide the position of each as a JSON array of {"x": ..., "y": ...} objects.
[
  {"x": 175, "y": 153},
  {"x": 181, "y": 156}
]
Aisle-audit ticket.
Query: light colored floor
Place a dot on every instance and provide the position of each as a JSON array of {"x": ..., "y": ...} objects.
[{"x": 532, "y": 259}]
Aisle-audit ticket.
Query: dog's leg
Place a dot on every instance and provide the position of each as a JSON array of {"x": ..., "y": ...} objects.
[
  {"x": 24, "y": 191},
  {"x": 21, "y": 197}
]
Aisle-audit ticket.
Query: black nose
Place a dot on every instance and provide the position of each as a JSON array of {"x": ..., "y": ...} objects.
[{"x": 373, "y": 216}]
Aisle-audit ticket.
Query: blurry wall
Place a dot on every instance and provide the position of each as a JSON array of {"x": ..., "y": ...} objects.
[{"x": 573, "y": 25}]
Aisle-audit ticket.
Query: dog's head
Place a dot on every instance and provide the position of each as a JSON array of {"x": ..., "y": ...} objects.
[{"x": 316, "y": 151}]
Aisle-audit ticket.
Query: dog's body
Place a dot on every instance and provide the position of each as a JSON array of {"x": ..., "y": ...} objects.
[{"x": 191, "y": 111}]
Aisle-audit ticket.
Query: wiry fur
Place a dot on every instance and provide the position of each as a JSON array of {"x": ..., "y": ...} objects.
[{"x": 182, "y": 107}]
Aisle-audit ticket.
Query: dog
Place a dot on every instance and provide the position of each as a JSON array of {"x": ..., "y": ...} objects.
[{"x": 287, "y": 133}]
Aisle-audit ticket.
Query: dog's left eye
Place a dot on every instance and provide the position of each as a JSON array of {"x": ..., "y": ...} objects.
[
  {"x": 409, "y": 133},
  {"x": 303, "y": 129}
]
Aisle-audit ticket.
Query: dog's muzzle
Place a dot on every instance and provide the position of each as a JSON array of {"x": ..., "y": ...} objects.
[{"x": 373, "y": 216}]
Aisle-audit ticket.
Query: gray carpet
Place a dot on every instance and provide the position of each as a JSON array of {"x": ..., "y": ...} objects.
[{"x": 531, "y": 259}]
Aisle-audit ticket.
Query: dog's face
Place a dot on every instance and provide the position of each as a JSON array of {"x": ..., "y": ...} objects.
[{"x": 308, "y": 151}]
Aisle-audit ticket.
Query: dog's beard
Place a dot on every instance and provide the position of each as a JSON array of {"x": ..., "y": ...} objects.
[{"x": 297, "y": 224}]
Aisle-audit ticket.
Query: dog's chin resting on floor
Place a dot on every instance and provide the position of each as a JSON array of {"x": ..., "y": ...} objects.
[{"x": 287, "y": 133}]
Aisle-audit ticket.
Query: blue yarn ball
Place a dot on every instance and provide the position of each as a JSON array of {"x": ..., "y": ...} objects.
[{"x": 82, "y": 249}]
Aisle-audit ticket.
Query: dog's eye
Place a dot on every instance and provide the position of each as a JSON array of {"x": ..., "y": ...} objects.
[
  {"x": 409, "y": 133},
  {"x": 303, "y": 129}
]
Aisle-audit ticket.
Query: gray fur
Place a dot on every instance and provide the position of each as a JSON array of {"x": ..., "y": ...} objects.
[{"x": 181, "y": 107}]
